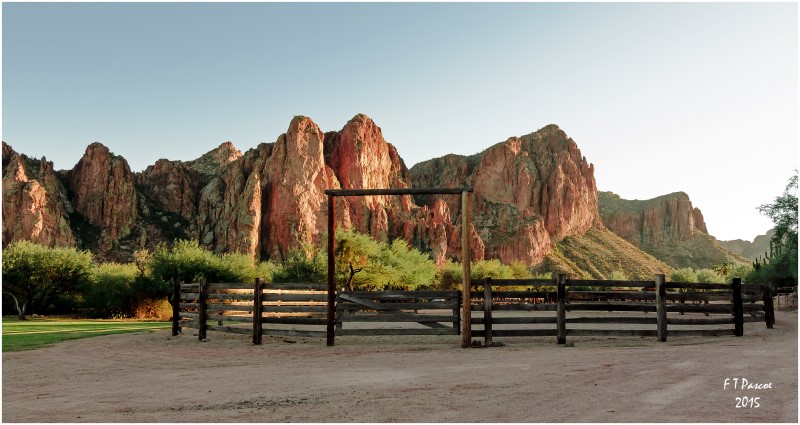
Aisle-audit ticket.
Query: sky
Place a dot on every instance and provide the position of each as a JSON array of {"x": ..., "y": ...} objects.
[{"x": 660, "y": 97}]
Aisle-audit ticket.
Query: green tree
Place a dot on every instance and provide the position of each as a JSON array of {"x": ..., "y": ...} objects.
[
  {"x": 782, "y": 267},
  {"x": 365, "y": 264},
  {"x": 685, "y": 275},
  {"x": 110, "y": 289},
  {"x": 34, "y": 275}
]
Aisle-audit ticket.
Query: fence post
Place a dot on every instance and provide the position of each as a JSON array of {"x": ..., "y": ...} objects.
[
  {"x": 738, "y": 311},
  {"x": 331, "y": 311},
  {"x": 457, "y": 312},
  {"x": 561, "y": 309},
  {"x": 769, "y": 308},
  {"x": 258, "y": 308},
  {"x": 487, "y": 312},
  {"x": 202, "y": 316},
  {"x": 466, "y": 257},
  {"x": 661, "y": 308},
  {"x": 176, "y": 307}
]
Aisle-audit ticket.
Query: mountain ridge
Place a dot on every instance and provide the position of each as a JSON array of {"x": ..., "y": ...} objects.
[{"x": 530, "y": 193}]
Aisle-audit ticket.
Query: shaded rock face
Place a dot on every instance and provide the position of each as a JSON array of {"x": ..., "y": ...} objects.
[
  {"x": 667, "y": 227},
  {"x": 34, "y": 205},
  {"x": 652, "y": 222},
  {"x": 529, "y": 192},
  {"x": 104, "y": 192}
]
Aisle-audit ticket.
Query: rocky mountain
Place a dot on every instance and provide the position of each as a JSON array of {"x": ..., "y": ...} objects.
[
  {"x": 35, "y": 206},
  {"x": 535, "y": 200},
  {"x": 667, "y": 227},
  {"x": 757, "y": 248},
  {"x": 529, "y": 193}
]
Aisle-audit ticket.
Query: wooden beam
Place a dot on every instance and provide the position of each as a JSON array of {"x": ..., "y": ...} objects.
[
  {"x": 466, "y": 257},
  {"x": 398, "y": 191},
  {"x": 176, "y": 307},
  {"x": 661, "y": 308},
  {"x": 561, "y": 310},
  {"x": 258, "y": 308},
  {"x": 738, "y": 311},
  {"x": 487, "y": 312},
  {"x": 331, "y": 326}
]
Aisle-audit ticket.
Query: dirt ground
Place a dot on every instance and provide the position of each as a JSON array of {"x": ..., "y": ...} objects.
[{"x": 154, "y": 377}]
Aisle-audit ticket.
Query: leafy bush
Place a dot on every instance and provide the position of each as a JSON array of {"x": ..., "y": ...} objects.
[
  {"x": 685, "y": 275},
  {"x": 365, "y": 264},
  {"x": 42, "y": 279},
  {"x": 708, "y": 276},
  {"x": 109, "y": 290}
]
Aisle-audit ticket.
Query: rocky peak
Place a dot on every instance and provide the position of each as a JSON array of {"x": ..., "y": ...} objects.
[
  {"x": 104, "y": 192},
  {"x": 211, "y": 162},
  {"x": 529, "y": 192},
  {"x": 668, "y": 227},
  {"x": 34, "y": 205}
]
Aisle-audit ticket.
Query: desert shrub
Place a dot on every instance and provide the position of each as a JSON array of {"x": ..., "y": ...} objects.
[
  {"x": 152, "y": 309},
  {"x": 307, "y": 264},
  {"x": 109, "y": 290},
  {"x": 708, "y": 276},
  {"x": 41, "y": 279},
  {"x": 686, "y": 275},
  {"x": 363, "y": 263}
]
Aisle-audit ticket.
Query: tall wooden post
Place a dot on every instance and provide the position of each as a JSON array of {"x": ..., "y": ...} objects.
[
  {"x": 738, "y": 310},
  {"x": 466, "y": 257},
  {"x": 258, "y": 308},
  {"x": 487, "y": 312},
  {"x": 202, "y": 316},
  {"x": 661, "y": 308},
  {"x": 176, "y": 307},
  {"x": 769, "y": 308},
  {"x": 331, "y": 329},
  {"x": 561, "y": 309}
]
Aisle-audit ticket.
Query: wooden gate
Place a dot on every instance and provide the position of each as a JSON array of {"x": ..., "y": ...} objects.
[{"x": 398, "y": 313}]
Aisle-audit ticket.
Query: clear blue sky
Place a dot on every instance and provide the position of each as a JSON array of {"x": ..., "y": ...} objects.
[{"x": 700, "y": 98}]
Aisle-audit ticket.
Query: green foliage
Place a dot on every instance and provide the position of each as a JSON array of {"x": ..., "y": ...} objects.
[
  {"x": 449, "y": 275},
  {"x": 782, "y": 266},
  {"x": 301, "y": 265},
  {"x": 109, "y": 289},
  {"x": 685, "y": 275},
  {"x": 189, "y": 262},
  {"x": 708, "y": 276},
  {"x": 365, "y": 264},
  {"x": 617, "y": 275},
  {"x": 35, "y": 276}
]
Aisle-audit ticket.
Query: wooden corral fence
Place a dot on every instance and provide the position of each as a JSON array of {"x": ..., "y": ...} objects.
[
  {"x": 280, "y": 309},
  {"x": 436, "y": 312},
  {"x": 658, "y": 300},
  {"x": 561, "y": 307}
]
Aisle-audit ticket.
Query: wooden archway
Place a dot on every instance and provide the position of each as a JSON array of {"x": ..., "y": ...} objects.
[{"x": 466, "y": 251}]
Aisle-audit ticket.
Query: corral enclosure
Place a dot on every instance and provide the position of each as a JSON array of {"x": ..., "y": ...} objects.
[{"x": 557, "y": 308}]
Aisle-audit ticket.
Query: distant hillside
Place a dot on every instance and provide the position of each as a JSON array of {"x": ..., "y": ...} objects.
[
  {"x": 667, "y": 227},
  {"x": 748, "y": 249},
  {"x": 598, "y": 253}
]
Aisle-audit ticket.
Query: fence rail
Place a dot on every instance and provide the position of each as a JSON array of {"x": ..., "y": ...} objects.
[
  {"x": 559, "y": 307},
  {"x": 731, "y": 304}
]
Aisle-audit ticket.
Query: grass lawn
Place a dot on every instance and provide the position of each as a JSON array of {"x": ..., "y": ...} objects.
[{"x": 37, "y": 332}]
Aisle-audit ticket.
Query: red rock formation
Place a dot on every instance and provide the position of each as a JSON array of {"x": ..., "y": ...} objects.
[
  {"x": 529, "y": 192},
  {"x": 667, "y": 227},
  {"x": 34, "y": 207},
  {"x": 104, "y": 192},
  {"x": 652, "y": 222},
  {"x": 362, "y": 159}
]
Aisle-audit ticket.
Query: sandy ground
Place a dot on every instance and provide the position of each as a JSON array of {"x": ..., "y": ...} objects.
[{"x": 154, "y": 377}]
